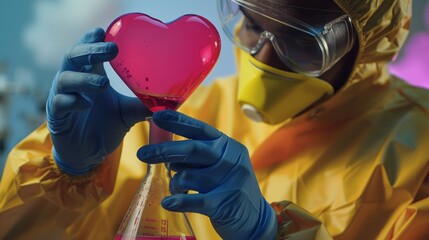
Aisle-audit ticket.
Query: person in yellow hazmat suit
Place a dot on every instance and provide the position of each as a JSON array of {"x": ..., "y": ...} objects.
[{"x": 313, "y": 139}]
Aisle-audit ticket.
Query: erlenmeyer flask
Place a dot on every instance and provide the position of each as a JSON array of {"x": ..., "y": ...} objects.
[{"x": 146, "y": 218}]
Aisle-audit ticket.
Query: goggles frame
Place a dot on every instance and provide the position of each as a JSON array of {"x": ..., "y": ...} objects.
[{"x": 326, "y": 35}]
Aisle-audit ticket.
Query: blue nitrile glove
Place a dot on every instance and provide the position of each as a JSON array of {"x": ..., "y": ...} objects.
[
  {"x": 219, "y": 169},
  {"x": 86, "y": 117}
]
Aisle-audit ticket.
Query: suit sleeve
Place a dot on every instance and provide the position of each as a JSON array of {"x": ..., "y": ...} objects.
[{"x": 34, "y": 192}]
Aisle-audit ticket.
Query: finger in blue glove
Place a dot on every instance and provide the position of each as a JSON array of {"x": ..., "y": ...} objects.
[{"x": 86, "y": 117}]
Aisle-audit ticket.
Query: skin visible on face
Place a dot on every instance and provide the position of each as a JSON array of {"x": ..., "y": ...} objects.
[
  {"x": 324, "y": 5},
  {"x": 314, "y": 15}
]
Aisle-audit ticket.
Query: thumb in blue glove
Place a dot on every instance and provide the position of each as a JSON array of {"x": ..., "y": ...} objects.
[
  {"x": 219, "y": 169},
  {"x": 86, "y": 117}
]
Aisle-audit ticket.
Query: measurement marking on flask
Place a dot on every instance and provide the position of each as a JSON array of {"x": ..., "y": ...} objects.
[{"x": 164, "y": 227}]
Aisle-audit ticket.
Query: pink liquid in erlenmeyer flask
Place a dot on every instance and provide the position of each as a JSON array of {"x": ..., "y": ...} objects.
[{"x": 118, "y": 237}]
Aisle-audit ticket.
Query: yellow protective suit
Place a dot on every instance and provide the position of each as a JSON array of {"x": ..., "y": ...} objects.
[{"x": 358, "y": 162}]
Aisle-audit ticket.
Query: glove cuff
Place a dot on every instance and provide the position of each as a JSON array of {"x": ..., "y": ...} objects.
[
  {"x": 72, "y": 170},
  {"x": 268, "y": 224}
]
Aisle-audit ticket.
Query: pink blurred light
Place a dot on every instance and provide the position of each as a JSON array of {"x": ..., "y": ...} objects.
[{"x": 413, "y": 66}]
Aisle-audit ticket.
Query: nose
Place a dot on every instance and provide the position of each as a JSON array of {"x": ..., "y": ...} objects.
[{"x": 268, "y": 55}]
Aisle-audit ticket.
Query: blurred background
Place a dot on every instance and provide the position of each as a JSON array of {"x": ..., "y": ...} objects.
[{"x": 36, "y": 34}]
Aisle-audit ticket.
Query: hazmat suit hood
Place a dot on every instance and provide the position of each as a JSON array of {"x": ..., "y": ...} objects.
[{"x": 382, "y": 27}]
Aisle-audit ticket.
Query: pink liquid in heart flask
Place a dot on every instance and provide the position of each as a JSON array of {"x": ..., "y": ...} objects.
[{"x": 162, "y": 64}]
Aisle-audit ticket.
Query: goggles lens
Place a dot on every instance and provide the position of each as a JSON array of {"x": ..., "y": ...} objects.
[{"x": 303, "y": 48}]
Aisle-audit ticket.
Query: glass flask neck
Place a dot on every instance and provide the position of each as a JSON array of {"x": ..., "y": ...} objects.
[{"x": 158, "y": 135}]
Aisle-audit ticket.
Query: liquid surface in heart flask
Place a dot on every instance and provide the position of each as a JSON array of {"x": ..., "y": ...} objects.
[{"x": 162, "y": 64}]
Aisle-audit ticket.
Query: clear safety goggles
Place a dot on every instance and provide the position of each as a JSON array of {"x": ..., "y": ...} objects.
[{"x": 306, "y": 48}]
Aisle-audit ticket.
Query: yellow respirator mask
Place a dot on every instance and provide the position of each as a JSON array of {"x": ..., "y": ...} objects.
[{"x": 272, "y": 95}]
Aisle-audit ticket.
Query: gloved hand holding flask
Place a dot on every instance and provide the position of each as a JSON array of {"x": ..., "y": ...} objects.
[
  {"x": 219, "y": 169},
  {"x": 86, "y": 117}
]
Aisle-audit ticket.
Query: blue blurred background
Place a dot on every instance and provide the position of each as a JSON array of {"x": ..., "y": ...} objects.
[{"x": 35, "y": 35}]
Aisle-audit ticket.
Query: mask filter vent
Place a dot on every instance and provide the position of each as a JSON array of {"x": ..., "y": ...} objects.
[{"x": 252, "y": 113}]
